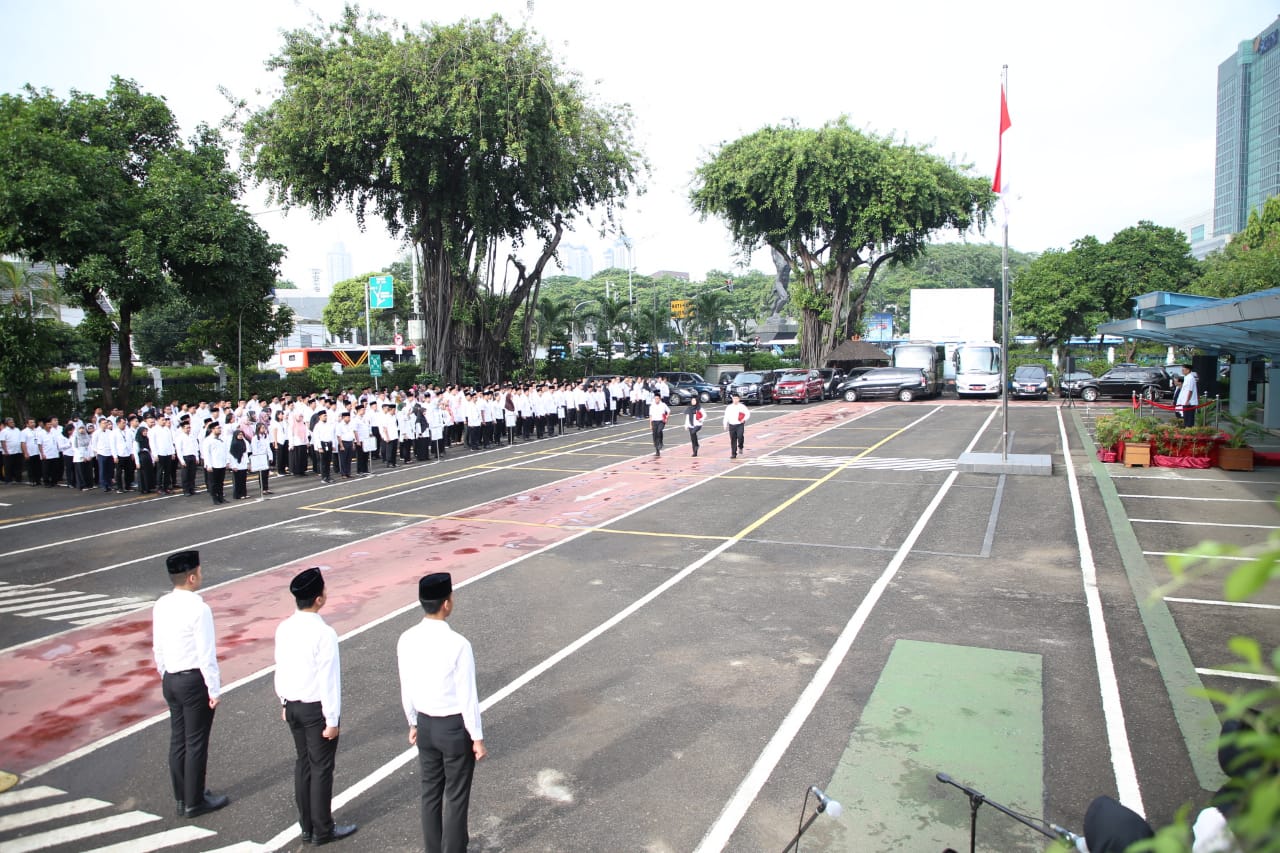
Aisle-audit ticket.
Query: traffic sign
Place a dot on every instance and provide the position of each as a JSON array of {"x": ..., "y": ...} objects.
[
  {"x": 399, "y": 339},
  {"x": 375, "y": 364},
  {"x": 381, "y": 292}
]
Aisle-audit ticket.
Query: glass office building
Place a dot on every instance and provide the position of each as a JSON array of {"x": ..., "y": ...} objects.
[{"x": 1248, "y": 152}]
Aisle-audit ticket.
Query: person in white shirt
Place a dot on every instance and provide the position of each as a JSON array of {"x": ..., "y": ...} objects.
[
  {"x": 658, "y": 414},
  {"x": 308, "y": 680},
  {"x": 438, "y": 693},
  {"x": 163, "y": 452},
  {"x": 186, "y": 657},
  {"x": 1188, "y": 396},
  {"x": 11, "y": 445},
  {"x": 214, "y": 452},
  {"x": 322, "y": 443},
  {"x": 104, "y": 447},
  {"x": 31, "y": 439},
  {"x": 187, "y": 448},
  {"x": 735, "y": 420},
  {"x": 389, "y": 436},
  {"x": 693, "y": 421}
]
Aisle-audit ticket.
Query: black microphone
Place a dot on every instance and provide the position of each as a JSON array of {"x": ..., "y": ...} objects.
[
  {"x": 825, "y": 803},
  {"x": 944, "y": 779}
]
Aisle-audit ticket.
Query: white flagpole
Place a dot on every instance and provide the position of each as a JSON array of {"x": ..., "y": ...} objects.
[{"x": 1005, "y": 314}]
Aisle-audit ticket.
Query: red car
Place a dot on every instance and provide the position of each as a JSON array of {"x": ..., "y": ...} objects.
[{"x": 799, "y": 386}]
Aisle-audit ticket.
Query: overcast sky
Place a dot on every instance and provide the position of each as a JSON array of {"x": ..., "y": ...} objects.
[{"x": 1113, "y": 103}]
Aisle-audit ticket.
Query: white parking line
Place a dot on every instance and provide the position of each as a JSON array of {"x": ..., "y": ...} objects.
[
  {"x": 1209, "y": 601},
  {"x": 1248, "y": 676},
  {"x": 1206, "y": 500},
  {"x": 1202, "y": 523}
]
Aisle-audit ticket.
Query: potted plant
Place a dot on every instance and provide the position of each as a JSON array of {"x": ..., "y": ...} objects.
[
  {"x": 1235, "y": 453},
  {"x": 1137, "y": 447},
  {"x": 1108, "y": 430},
  {"x": 1177, "y": 446}
]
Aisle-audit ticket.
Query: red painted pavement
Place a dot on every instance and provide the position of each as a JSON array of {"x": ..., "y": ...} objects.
[{"x": 86, "y": 684}]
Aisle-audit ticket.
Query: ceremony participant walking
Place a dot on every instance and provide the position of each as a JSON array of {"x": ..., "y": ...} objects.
[
  {"x": 735, "y": 420},
  {"x": 693, "y": 418},
  {"x": 309, "y": 684},
  {"x": 438, "y": 692},
  {"x": 658, "y": 414},
  {"x": 187, "y": 659}
]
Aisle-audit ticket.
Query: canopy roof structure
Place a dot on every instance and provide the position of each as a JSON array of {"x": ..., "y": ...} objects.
[{"x": 1245, "y": 327}]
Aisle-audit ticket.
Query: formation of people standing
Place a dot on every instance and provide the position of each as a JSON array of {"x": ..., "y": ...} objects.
[
  {"x": 183, "y": 447},
  {"x": 438, "y": 696}
]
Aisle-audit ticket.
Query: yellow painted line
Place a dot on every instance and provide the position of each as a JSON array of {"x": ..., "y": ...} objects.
[
  {"x": 746, "y": 531},
  {"x": 7, "y": 780},
  {"x": 825, "y": 447}
]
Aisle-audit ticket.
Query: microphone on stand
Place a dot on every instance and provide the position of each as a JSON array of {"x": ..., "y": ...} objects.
[{"x": 825, "y": 803}]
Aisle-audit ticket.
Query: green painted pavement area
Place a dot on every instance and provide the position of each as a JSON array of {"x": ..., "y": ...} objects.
[{"x": 973, "y": 713}]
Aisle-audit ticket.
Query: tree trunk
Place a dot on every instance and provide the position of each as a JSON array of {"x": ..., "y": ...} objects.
[
  {"x": 104, "y": 360},
  {"x": 126, "y": 357}
]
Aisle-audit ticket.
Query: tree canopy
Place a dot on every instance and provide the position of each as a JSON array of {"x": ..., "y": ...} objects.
[
  {"x": 1251, "y": 261},
  {"x": 105, "y": 188},
  {"x": 1062, "y": 294},
  {"x": 833, "y": 200},
  {"x": 460, "y": 138}
]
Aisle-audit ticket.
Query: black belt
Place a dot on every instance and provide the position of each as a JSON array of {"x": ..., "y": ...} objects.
[{"x": 183, "y": 671}]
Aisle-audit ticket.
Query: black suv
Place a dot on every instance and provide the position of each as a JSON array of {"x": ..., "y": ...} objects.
[
  {"x": 685, "y": 386},
  {"x": 753, "y": 387},
  {"x": 1149, "y": 383},
  {"x": 905, "y": 383}
]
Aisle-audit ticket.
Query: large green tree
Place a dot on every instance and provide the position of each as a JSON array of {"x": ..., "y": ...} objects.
[
  {"x": 1056, "y": 296},
  {"x": 345, "y": 309},
  {"x": 104, "y": 187},
  {"x": 1140, "y": 259},
  {"x": 834, "y": 200},
  {"x": 1250, "y": 262},
  {"x": 461, "y": 138}
]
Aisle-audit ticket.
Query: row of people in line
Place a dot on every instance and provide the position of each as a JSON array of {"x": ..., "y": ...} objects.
[{"x": 163, "y": 449}]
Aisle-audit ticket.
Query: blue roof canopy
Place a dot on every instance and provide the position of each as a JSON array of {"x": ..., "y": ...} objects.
[{"x": 1245, "y": 326}]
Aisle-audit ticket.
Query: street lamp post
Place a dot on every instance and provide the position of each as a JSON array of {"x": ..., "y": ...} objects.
[
  {"x": 240, "y": 354},
  {"x": 574, "y": 318}
]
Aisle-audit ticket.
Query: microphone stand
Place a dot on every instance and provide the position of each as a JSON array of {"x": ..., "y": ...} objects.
[
  {"x": 976, "y": 799},
  {"x": 794, "y": 843}
]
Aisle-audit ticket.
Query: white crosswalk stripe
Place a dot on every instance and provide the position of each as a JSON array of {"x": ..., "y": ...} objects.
[
  {"x": 45, "y": 818},
  {"x": 78, "y": 608},
  {"x": 853, "y": 462}
]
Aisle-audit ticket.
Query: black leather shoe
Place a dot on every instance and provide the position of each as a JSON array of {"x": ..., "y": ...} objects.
[
  {"x": 306, "y": 837},
  {"x": 211, "y": 804},
  {"x": 340, "y": 831}
]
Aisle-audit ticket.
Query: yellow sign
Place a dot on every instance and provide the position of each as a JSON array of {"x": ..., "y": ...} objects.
[{"x": 681, "y": 309}]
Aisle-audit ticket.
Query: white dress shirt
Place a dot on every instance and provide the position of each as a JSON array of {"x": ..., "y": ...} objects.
[
  {"x": 736, "y": 413},
  {"x": 214, "y": 452},
  {"x": 307, "y": 665},
  {"x": 438, "y": 675},
  {"x": 182, "y": 637}
]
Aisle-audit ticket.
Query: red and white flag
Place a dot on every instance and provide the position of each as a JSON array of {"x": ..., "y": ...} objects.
[{"x": 999, "y": 185}]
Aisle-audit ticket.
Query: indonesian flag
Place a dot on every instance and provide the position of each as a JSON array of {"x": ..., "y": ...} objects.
[{"x": 999, "y": 185}]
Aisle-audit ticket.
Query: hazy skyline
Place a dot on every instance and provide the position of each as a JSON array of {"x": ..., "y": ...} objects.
[{"x": 1113, "y": 105}]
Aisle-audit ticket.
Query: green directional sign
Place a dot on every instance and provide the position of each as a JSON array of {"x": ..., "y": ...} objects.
[
  {"x": 375, "y": 364},
  {"x": 381, "y": 291}
]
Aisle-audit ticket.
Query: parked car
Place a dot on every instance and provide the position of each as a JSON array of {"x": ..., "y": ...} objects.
[
  {"x": 799, "y": 386},
  {"x": 831, "y": 379},
  {"x": 905, "y": 383},
  {"x": 685, "y": 386},
  {"x": 725, "y": 380},
  {"x": 1150, "y": 383},
  {"x": 753, "y": 387},
  {"x": 1069, "y": 385},
  {"x": 1030, "y": 380}
]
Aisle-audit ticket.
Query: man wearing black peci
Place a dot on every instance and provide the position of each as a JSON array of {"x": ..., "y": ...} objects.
[
  {"x": 438, "y": 692},
  {"x": 187, "y": 658},
  {"x": 309, "y": 683}
]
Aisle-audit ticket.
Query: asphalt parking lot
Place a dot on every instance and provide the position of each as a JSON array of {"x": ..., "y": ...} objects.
[{"x": 670, "y": 651}]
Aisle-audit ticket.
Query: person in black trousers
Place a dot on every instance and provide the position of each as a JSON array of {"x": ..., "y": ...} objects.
[
  {"x": 186, "y": 656},
  {"x": 438, "y": 694},
  {"x": 309, "y": 683}
]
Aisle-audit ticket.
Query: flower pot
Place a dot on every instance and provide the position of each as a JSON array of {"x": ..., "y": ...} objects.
[
  {"x": 1107, "y": 455},
  {"x": 1235, "y": 458},
  {"x": 1137, "y": 454}
]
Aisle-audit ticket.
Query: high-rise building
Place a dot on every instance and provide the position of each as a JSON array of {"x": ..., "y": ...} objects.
[
  {"x": 619, "y": 255},
  {"x": 576, "y": 260},
  {"x": 339, "y": 264},
  {"x": 1199, "y": 233},
  {"x": 1247, "y": 169}
]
